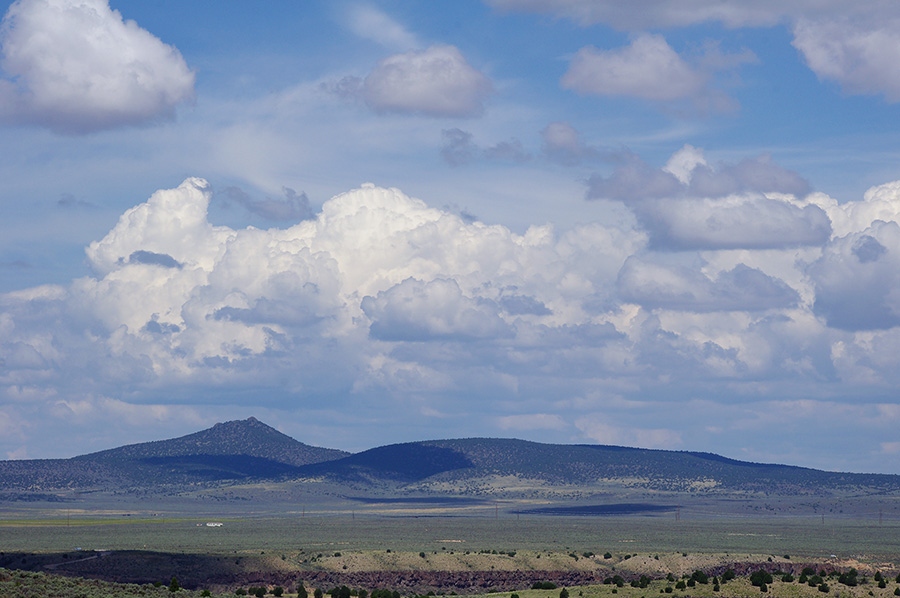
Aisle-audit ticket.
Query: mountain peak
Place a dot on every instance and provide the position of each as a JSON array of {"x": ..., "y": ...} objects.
[{"x": 247, "y": 437}]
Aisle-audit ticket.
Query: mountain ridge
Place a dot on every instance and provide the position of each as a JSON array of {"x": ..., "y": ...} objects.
[{"x": 241, "y": 451}]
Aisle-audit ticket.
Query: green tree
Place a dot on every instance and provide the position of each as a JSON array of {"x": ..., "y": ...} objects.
[
  {"x": 301, "y": 591},
  {"x": 317, "y": 593},
  {"x": 564, "y": 593},
  {"x": 173, "y": 585},
  {"x": 278, "y": 591}
]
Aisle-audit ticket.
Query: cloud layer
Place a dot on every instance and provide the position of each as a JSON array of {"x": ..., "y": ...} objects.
[{"x": 385, "y": 303}]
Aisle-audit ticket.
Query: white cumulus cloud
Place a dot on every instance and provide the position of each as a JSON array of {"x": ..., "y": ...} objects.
[
  {"x": 437, "y": 81},
  {"x": 368, "y": 22},
  {"x": 851, "y": 43},
  {"x": 861, "y": 58},
  {"x": 648, "y": 68},
  {"x": 77, "y": 66},
  {"x": 690, "y": 204}
]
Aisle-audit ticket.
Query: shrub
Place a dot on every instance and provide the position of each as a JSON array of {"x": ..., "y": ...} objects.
[
  {"x": 668, "y": 589},
  {"x": 205, "y": 593},
  {"x": 716, "y": 587},
  {"x": 680, "y": 585},
  {"x": 787, "y": 578},
  {"x": 760, "y": 578},
  {"x": 278, "y": 591},
  {"x": 564, "y": 593},
  {"x": 823, "y": 587},
  {"x": 763, "y": 587},
  {"x": 700, "y": 577},
  {"x": 896, "y": 591},
  {"x": 608, "y": 555},
  {"x": 729, "y": 575},
  {"x": 513, "y": 595}
]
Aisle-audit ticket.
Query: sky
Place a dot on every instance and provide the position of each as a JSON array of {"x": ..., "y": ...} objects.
[{"x": 667, "y": 224}]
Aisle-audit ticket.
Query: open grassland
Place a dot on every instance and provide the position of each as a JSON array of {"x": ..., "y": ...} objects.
[{"x": 804, "y": 538}]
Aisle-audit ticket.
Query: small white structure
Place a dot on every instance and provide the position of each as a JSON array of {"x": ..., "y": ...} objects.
[{"x": 213, "y": 524}]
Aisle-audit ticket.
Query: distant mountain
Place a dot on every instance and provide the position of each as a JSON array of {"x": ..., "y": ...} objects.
[
  {"x": 234, "y": 450},
  {"x": 248, "y": 450},
  {"x": 464, "y": 462}
]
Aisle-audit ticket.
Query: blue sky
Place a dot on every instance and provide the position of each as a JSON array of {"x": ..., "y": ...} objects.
[{"x": 665, "y": 224}]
